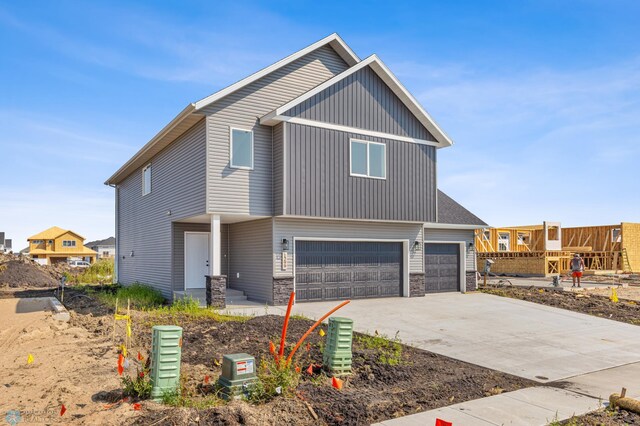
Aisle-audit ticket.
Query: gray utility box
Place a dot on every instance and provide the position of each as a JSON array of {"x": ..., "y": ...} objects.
[{"x": 238, "y": 375}]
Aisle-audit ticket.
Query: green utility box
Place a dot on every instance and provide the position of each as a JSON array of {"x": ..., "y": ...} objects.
[
  {"x": 238, "y": 375},
  {"x": 337, "y": 355},
  {"x": 166, "y": 351}
]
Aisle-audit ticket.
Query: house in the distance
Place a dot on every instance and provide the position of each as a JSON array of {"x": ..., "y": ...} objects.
[
  {"x": 106, "y": 248},
  {"x": 59, "y": 245},
  {"x": 316, "y": 174},
  {"x": 547, "y": 249},
  {"x": 5, "y": 244}
]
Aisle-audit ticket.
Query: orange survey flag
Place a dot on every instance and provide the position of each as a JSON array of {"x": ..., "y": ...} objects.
[
  {"x": 272, "y": 348},
  {"x": 63, "y": 409},
  {"x": 310, "y": 369},
  {"x": 137, "y": 406},
  {"x": 120, "y": 365},
  {"x": 336, "y": 383},
  {"x": 140, "y": 357},
  {"x": 206, "y": 379},
  {"x": 440, "y": 422}
]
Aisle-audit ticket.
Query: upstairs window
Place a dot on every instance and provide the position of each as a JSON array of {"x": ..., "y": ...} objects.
[
  {"x": 68, "y": 243},
  {"x": 241, "y": 149},
  {"x": 146, "y": 179},
  {"x": 368, "y": 159}
]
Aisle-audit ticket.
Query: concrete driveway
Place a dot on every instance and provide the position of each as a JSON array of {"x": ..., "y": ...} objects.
[{"x": 521, "y": 338}]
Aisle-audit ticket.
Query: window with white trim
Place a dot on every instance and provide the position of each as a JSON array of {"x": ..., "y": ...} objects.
[
  {"x": 146, "y": 179},
  {"x": 68, "y": 243},
  {"x": 368, "y": 159},
  {"x": 241, "y": 149}
]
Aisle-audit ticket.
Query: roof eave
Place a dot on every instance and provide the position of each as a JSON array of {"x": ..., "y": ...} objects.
[
  {"x": 334, "y": 40},
  {"x": 118, "y": 175}
]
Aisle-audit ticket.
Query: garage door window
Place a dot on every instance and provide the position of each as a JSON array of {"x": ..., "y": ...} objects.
[{"x": 368, "y": 159}]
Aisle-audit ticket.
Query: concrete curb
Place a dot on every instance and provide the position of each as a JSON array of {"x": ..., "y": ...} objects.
[{"x": 60, "y": 313}]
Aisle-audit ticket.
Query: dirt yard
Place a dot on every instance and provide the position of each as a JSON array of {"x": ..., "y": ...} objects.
[
  {"x": 76, "y": 365},
  {"x": 585, "y": 301},
  {"x": 605, "y": 418}
]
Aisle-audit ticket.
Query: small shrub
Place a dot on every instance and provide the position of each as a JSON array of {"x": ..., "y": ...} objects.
[
  {"x": 197, "y": 397},
  {"x": 101, "y": 272},
  {"x": 274, "y": 380},
  {"x": 389, "y": 351},
  {"x": 139, "y": 386}
]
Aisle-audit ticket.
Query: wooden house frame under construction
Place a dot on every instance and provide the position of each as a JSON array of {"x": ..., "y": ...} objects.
[{"x": 548, "y": 248}]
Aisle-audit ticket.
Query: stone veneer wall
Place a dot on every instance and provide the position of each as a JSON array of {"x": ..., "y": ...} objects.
[
  {"x": 471, "y": 281},
  {"x": 416, "y": 284},
  {"x": 216, "y": 290},
  {"x": 282, "y": 288}
]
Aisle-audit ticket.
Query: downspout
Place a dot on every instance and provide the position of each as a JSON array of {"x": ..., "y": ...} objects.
[{"x": 117, "y": 256}]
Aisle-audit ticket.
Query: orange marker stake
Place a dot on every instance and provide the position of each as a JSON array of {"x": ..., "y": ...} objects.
[
  {"x": 336, "y": 383},
  {"x": 313, "y": 327},
  {"x": 286, "y": 324}
]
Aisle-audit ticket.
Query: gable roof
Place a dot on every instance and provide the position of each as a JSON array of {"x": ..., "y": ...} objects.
[
  {"x": 192, "y": 113},
  {"x": 387, "y": 76},
  {"x": 52, "y": 233},
  {"x": 111, "y": 241},
  {"x": 451, "y": 212}
]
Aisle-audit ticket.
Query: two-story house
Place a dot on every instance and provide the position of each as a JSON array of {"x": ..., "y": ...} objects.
[
  {"x": 106, "y": 248},
  {"x": 58, "y": 245},
  {"x": 316, "y": 174}
]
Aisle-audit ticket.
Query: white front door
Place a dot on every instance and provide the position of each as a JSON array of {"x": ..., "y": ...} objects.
[{"x": 196, "y": 259}]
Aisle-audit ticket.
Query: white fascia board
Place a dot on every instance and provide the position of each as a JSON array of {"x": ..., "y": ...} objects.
[
  {"x": 387, "y": 76},
  {"x": 334, "y": 40},
  {"x": 349, "y": 129},
  {"x": 452, "y": 226},
  {"x": 188, "y": 110}
]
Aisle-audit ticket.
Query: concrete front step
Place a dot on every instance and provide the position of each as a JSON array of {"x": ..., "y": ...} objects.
[{"x": 235, "y": 297}]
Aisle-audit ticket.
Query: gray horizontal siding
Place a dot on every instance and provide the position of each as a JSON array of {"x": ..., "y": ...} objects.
[
  {"x": 290, "y": 228},
  {"x": 278, "y": 164},
  {"x": 364, "y": 101},
  {"x": 250, "y": 255},
  {"x": 455, "y": 235},
  {"x": 250, "y": 191},
  {"x": 318, "y": 181},
  {"x": 178, "y": 185}
]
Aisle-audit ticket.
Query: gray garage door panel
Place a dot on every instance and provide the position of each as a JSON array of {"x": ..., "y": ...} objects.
[
  {"x": 333, "y": 270},
  {"x": 442, "y": 267}
]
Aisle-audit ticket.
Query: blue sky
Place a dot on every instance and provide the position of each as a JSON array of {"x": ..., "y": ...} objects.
[{"x": 542, "y": 98}]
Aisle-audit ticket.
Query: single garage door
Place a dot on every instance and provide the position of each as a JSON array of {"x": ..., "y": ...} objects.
[
  {"x": 333, "y": 270},
  {"x": 441, "y": 267}
]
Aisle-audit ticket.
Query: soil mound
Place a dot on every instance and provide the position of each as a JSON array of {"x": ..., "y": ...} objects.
[{"x": 24, "y": 273}]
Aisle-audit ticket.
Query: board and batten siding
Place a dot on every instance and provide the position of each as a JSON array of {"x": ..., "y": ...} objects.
[
  {"x": 145, "y": 227},
  {"x": 250, "y": 249},
  {"x": 290, "y": 228},
  {"x": 250, "y": 191},
  {"x": 318, "y": 181},
  {"x": 364, "y": 101},
  {"x": 457, "y": 235}
]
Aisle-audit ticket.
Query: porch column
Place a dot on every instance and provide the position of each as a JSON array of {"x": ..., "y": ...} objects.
[
  {"x": 214, "y": 252},
  {"x": 216, "y": 284}
]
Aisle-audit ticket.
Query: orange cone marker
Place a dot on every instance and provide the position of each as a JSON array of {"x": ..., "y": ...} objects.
[{"x": 336, "y": 383}]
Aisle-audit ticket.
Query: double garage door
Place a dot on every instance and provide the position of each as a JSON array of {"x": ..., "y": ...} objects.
[
  {"x": 441, "y": 267},
  {"x": 334, "y": 270}
]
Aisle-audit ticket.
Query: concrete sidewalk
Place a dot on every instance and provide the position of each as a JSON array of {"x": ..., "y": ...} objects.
[
  {"x": 527, "y": 407},
  {"x": 536, "y": 406}
]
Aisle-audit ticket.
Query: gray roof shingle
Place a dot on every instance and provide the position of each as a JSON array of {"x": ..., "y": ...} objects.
[{"x": 449, "y": 211}]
